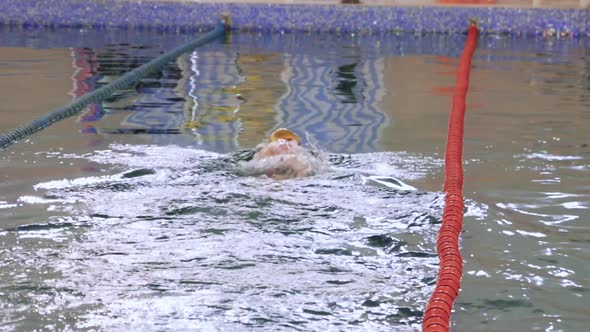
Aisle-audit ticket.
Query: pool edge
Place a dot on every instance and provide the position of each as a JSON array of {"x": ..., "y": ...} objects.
[{"x": 284, "y": 18}]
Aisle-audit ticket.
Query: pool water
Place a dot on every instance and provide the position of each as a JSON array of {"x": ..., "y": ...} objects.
[{"x": 129, "y": 216}]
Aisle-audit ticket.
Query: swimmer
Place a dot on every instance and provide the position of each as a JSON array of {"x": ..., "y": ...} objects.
[{"x": 283, "y": 157}]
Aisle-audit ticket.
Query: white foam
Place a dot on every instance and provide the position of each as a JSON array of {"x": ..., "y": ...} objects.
[{"x": 551, "y": 157}]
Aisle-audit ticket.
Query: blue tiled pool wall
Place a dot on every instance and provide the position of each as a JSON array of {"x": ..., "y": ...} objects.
[{"x": 185, "y": 16}]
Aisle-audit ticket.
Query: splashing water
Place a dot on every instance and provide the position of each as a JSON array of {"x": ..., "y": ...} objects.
[
  {"x": 179, "y": 239},
  {"x": 282, "y": 160}
]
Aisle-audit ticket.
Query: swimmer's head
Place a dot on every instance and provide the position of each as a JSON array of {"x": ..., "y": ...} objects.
[{"x": 285, "y": 135}]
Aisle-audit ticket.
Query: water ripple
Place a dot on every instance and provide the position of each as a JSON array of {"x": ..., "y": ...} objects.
[{"x": 190, "y": 243}]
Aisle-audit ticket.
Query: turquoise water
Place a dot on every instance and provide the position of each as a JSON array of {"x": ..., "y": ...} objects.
[{"x": 127, "y": 216}]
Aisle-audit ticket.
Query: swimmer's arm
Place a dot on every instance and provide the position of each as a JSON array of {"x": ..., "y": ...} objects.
[{"x": 243, "y": 155}]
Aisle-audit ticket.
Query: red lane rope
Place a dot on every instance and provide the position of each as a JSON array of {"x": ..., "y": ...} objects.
[{"x": 437, "y": 315}]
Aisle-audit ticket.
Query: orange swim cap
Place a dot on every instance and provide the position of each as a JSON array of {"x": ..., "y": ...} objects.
[{"x": 286, "y": 134}]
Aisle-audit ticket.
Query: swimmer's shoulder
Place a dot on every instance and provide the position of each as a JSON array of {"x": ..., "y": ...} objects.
[{"x": 248, "y": 154}]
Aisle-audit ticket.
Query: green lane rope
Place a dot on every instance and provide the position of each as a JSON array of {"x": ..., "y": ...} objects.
[{"x": 106, "y": 91}]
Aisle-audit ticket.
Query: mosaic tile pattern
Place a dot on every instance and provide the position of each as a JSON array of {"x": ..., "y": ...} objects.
[
  {"x": 551, "y": 21},
  {"x": 511, "y": 21},
  {"x": 449, "y": 19},
  {"x": 187, "y": 16}
]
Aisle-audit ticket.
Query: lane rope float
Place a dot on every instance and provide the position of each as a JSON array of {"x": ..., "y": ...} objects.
[
  {"x": 106, "y": 91},
  {"x": 437, "y": 315}
]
